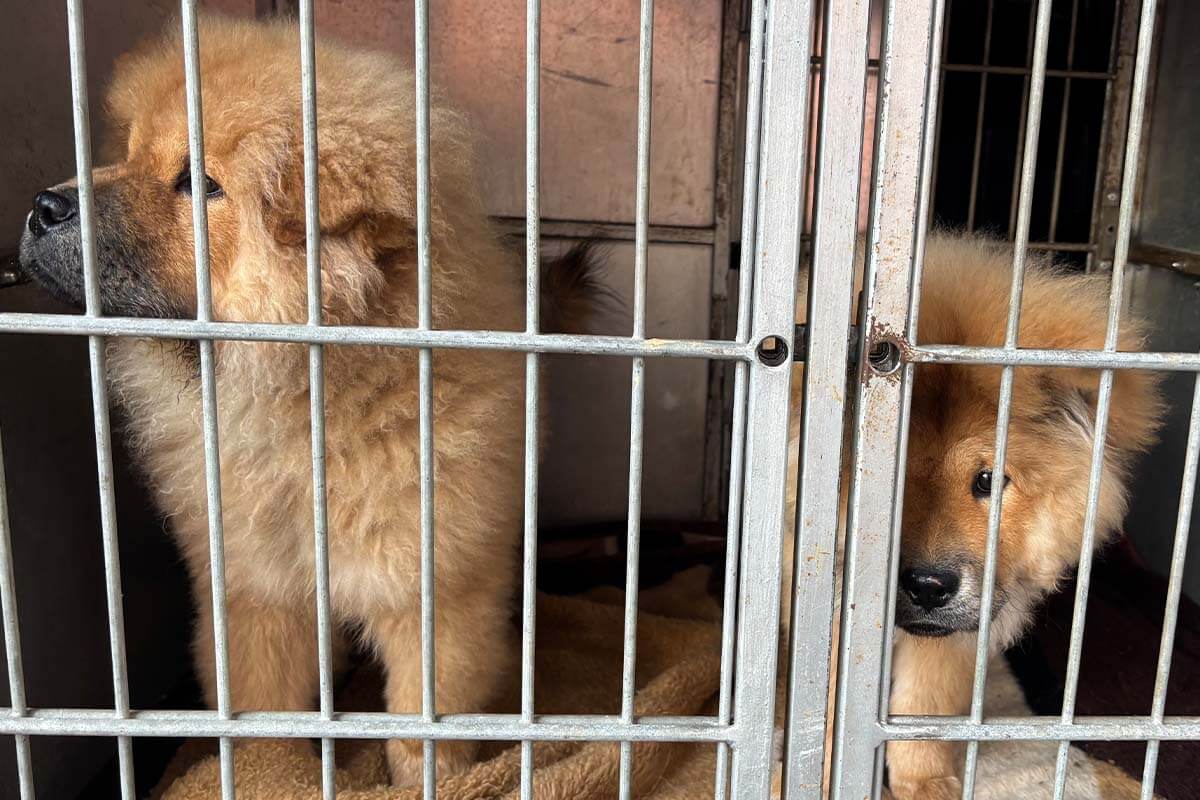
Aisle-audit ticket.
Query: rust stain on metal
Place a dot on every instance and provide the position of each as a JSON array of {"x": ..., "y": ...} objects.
[{"x": 880, "y": 333}]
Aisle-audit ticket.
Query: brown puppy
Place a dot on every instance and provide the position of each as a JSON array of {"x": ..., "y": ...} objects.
[
  {"x": 964, "y": 300},
  {"x": 251, "y": 93}
]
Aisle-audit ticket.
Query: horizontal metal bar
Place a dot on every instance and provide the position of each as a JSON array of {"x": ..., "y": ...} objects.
[
  {"x": 1050, "y": 73},
  {"x": 1010, "y": 729},
  {"x": 359, "y": 335},
  {"x": 615, "y": 231},
  {"x": 1082, "y": 359},
  {"x": 367, "y": 725},
  {"x": 1063, "y": 247},
  {"x": 819, "y": 61}
]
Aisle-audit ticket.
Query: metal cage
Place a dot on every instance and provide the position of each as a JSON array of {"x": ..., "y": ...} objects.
[{"x": 776, "y": 137}]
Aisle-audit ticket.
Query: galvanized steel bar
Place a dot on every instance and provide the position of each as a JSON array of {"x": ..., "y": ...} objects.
[
  {"x": 12, "y": 640},
  {"x": 425, "y": 393},
  {"x": 1137, "y": 109},
  {"x": 367, "y": 725},
  {"x": 72, "y": 324},
  {"x": 1032, "y": 131},
  {"x": 316, "y": 384},
  {"x": 973, "y": 198},
  {"x": 771, "y": 251},
  {"x": 1030, "y": 729},
  {"x": 608, "y": 728},
  {"x": 637, "y": 405},
  {"x": 933, "y": 94},
  {"x": 1112, "y": 131},
  {"x": 829, "y": 304},
  {"x": 1083, "y": 575},
  {"x": 208, "y": 386},
  {"x": 737, "y": 446},
  {"x": 1064, "y": 117},
  {"x": 730, "y": 587},
  {"x": 533, "y": 66},
  {"x": 932, "y": 155},
  {"x": 1074, "y": 74},
  {"x": 1183, "y": 522},
  {"x": 1030, "y": 357},
  {"x": 104, "y": 469},
  {"x": 632, "y": 571},
  {"x": 722, "y": 320},
  {"x": 612, "y": 231},
  {"x": 890, "y": 252},
  {"x": 1026, "y": 104},
  {"x": 1063, "y": 247}
]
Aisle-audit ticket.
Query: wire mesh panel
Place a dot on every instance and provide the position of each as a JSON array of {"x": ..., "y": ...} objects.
[
  {"x": 780, "y": 49},
  {"x": 776, "y": 128}
]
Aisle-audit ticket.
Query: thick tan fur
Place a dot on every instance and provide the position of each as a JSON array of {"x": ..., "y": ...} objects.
[
  {"x": 964, "y": 300},
  {"x": 368, "y": 206}
]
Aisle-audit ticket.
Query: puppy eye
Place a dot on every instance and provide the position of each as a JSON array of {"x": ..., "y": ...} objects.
[
  {"x": 183, "y": 184},
  {"x": 982, "y": 487}
]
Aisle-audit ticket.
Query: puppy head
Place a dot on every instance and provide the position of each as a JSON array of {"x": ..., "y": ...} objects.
[
  {"x": 254, "y": 182},
  {"x": 950, "y": 479}
]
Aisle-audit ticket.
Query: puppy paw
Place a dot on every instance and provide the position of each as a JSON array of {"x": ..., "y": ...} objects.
[
  {"x": 406, "y": 760},
  {"x": 947, "y": 788}
]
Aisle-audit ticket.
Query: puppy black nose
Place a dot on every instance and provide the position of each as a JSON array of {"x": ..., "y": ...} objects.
[
  {"x": 929, "y": 588},
  {"x": 50, "y": 209}
]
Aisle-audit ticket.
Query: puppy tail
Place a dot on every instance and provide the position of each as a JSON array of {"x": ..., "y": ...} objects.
[{"x": 573, "y": 293}]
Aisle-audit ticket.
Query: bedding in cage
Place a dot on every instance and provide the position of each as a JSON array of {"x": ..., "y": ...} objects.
[{"x": 693, "y": 236}]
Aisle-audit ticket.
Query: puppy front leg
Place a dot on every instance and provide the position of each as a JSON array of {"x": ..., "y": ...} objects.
[
  {"x": 929, "y": 677},
  {"x": 272, "y": 654},
  {"x": 471, "y": 654}
]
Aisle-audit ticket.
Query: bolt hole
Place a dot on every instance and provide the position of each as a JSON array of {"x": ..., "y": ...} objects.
[
  {"x": 884, "y": 357},
  {"x": 772, "y": 351}
]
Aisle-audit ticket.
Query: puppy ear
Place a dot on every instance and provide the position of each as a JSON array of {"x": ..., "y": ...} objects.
[
  {"x": 1072, "y": 407},
  {"x": 359, "y": 195},
  {"x": 1070, "y": 395},
  {"x": 1135, "y": 410}
]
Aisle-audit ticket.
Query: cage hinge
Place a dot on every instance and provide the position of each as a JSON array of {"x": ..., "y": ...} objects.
[{"x": 800, "y": 345}]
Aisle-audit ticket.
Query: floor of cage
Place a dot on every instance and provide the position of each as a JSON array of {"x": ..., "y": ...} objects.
[{"x": 1123, "y": 628}]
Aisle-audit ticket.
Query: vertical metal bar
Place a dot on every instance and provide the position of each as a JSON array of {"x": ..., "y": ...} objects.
[
  {"x": 1064, "y": 117},
  {"x": 1137, "y": 110},
  {"x": 316, "y": 383},
  {"x": 721, "y": 321},
  {"x": 773, "y": 221},
  {"x": 1032, "y": 131},
  {"x": 425, "y": 390},
  {"x": 941, "y": 94},
  {"x": 729, "y": 614},
  {"x": 1025, "y": 106},
  {"x": 737, "y": 448},
  {"x": 1113, "y": 130},
  {"x": 533, "y": 66},
  {"x": 973, "y": 200},
  {"x": 12, "y": 640},
  {"x": 924, "y": 203},
  {"x": 730, "y": 593},
  {"x": 897, "y": 185},
  {"x": 1166, "y": 646},
  {"x": 104, "y": 469},
  {"x": 638, "y": 385},
  {"x": 208, "y": 386},
  {"x": 830, "y": 300},
  {"x": 633, "y": 547}
]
